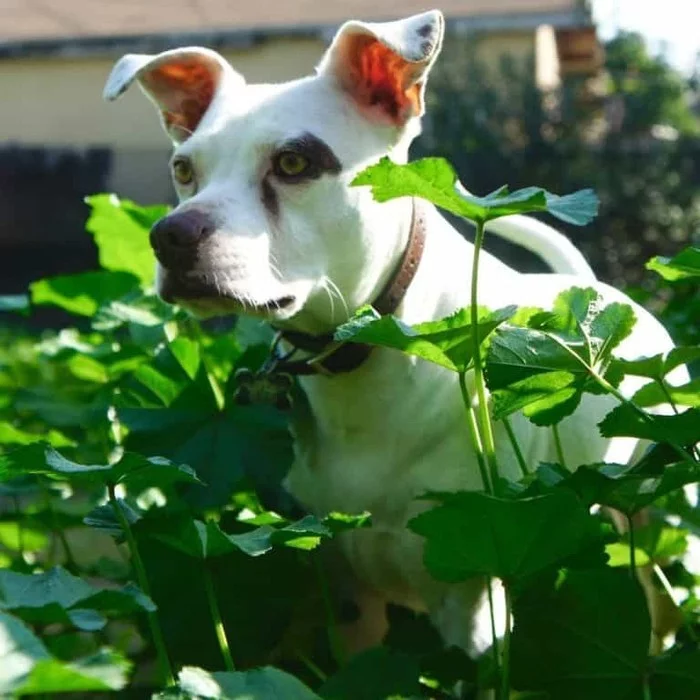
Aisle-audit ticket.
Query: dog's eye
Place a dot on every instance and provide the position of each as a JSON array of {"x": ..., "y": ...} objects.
[
  {"x": 291, "y": 164},
  {"x": 183, "y": 172}
]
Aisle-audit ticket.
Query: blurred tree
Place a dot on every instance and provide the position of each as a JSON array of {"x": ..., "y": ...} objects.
[{"x": 629, "y": 133}]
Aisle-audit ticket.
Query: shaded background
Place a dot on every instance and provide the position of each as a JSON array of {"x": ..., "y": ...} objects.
[{"x": 526, "y": 92}]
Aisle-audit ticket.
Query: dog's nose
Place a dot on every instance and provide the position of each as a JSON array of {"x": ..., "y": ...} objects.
[{"x": 175, "y": 238}]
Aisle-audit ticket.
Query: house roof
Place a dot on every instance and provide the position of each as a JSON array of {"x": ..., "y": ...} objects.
[{"x": 28, "y": 24}]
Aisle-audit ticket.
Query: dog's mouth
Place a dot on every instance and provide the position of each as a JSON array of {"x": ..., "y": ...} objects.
[{"x": 207, "y": 297}]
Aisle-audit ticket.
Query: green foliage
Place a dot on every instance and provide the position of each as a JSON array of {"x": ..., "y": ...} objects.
[
  {"x": 684, "y": 266},
  {"x": 511, "y": 545},
  {"x": 435, "y": 179},
  {"x": 125, "y": 435}
]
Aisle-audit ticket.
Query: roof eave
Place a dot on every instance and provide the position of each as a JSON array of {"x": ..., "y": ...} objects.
[{"x": 111, "y": 45}]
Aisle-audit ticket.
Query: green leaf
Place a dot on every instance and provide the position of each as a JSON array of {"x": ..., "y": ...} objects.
[
  {"x": 84, "y": 293},
  {"x": 568, "y": 638},
  {"x": 257, "y": 684},
  {"x": 654, "y": 394},
  {"x": 133, "y": 470},
  {"x": 121, "y": 229},
  {"x": 104, "y": 671},
  {"x": 447, "y": 342},
  {"x": 625, "y": 421},
  {"x": 10, "y": 435},
  {"x": 375, "y": 674},
  {"x": 222, "y": 446},
  {"x": 203, "y": 540},
  {"x": 27, "y": 667},
  {"x": 676, "y": 674},
  {"x": 627, "y": 489},
  {"x": 657, "y": 366},
  {"x": 434, "y": 179},
  {"x": 58, "y": 596},
  {"x": 517, "y": 538},
  {"x": 684, "y": 266},
  {"x": 135, "y": 309},
  {"x": 545, "y": 369},
  {"x": 20, "y": 649}
]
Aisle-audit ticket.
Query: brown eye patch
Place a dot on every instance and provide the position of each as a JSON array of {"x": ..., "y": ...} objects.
[{"x": 316, "y": 156}]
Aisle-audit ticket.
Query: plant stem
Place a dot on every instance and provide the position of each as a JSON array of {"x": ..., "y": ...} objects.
[
  {"x": 505, "y": 654},
  {"x": 610, "y": 389},
  {"x": 142, "y": 578},
  {"x": 20, "y": 527},
  {"x": 516, "y": 447},
  {"x": 557, "y": 444},
  {"x": 485, "y": 419},
  {"x": 669, "y": 591},
  {"x": 633, "y": 562},
  {"x": 216, "y": 617},
  {"x": 474, "y": 433},
  {"x": 333, "y": 636},
  {"x": 58, "y": 532},
  {"x": 312, "y": 666},
  {"x": 494, "y": 635}
]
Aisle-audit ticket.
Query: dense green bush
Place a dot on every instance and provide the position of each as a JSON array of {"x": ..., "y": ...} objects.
[{"x": 126, "y": 431}]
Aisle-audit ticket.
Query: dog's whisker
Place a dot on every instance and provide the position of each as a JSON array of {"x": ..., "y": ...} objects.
[{"x": 334, "y": 287}]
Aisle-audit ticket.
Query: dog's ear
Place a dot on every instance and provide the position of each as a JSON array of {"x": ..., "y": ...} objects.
[
  {"x": 384, "y": 66},
  {"x": 182, "y": 84}
]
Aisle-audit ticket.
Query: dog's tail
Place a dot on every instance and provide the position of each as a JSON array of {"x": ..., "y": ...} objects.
[{"x": 546, "y": 242}]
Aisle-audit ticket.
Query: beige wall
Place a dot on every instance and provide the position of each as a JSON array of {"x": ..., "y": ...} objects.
[{"x": 58, "y": 102}]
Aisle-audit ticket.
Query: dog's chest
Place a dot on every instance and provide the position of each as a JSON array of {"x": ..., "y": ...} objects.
[{"x": 374, "y": 438}]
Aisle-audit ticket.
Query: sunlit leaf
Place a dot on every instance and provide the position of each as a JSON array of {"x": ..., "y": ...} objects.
[
  {"x": 120, "y": 229},
  {"x": 447, "y": 342},
  {"x": 434, "y": 179},
  {"x": 684, "y": 266},
  {"x": 83, "y": 293}
]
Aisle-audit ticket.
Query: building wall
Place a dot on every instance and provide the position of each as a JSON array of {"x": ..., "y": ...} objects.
[{"x": 60, "y": 141}]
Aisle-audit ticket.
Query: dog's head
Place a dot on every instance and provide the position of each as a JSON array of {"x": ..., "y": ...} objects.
[{"x": 267, "y": 223}]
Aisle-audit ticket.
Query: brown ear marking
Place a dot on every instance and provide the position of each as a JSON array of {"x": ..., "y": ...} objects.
[
  {"x": 184, "y": 89},
  {"x": 381, "y": 77}
]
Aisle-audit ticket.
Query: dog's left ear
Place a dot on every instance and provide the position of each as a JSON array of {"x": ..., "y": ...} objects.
[
  {"x": 182, "y": 83},
  {"x": 384, "y": 66}
]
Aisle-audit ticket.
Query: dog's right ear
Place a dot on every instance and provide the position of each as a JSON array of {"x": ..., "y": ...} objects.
[
  {"x": 383, "y": 66},
  {"x": 182, "y": 83}
]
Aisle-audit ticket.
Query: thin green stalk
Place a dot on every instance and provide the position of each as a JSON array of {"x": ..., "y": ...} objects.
[
  {"x": 505, "y": 653},
  {"x": 516, "y": 447},
  {"x": 58, "y": 532},
  {"x": 333, "y": 634},
  {"x": 633, "y": 562},
  {"x": 216, "y": 617},
  {"x": 316, "y": 670},
  {"x": 20, "y": 527},
  {"x": 669, "y": 591},
  {"x": 494, "y": 635},
  {"x": 484, "y": 417},
  {"x": 142, "y": 578},
  {"x": 557, "y": 444},
  {"x": 474, "y": 433},
  {"x": 610, "y": 389}
]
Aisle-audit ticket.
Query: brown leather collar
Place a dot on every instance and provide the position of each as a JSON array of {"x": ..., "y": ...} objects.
[{"x": 350, "y": 356}]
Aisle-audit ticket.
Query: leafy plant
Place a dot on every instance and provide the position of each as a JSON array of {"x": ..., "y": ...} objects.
[{"x": 143, "y": 518}]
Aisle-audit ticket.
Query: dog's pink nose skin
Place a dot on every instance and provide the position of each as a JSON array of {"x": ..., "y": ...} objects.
[{"x": 176, "y": 238}]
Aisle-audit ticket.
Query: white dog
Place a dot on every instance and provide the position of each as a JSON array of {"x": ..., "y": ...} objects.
[{"x": 268, "y": 225}]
